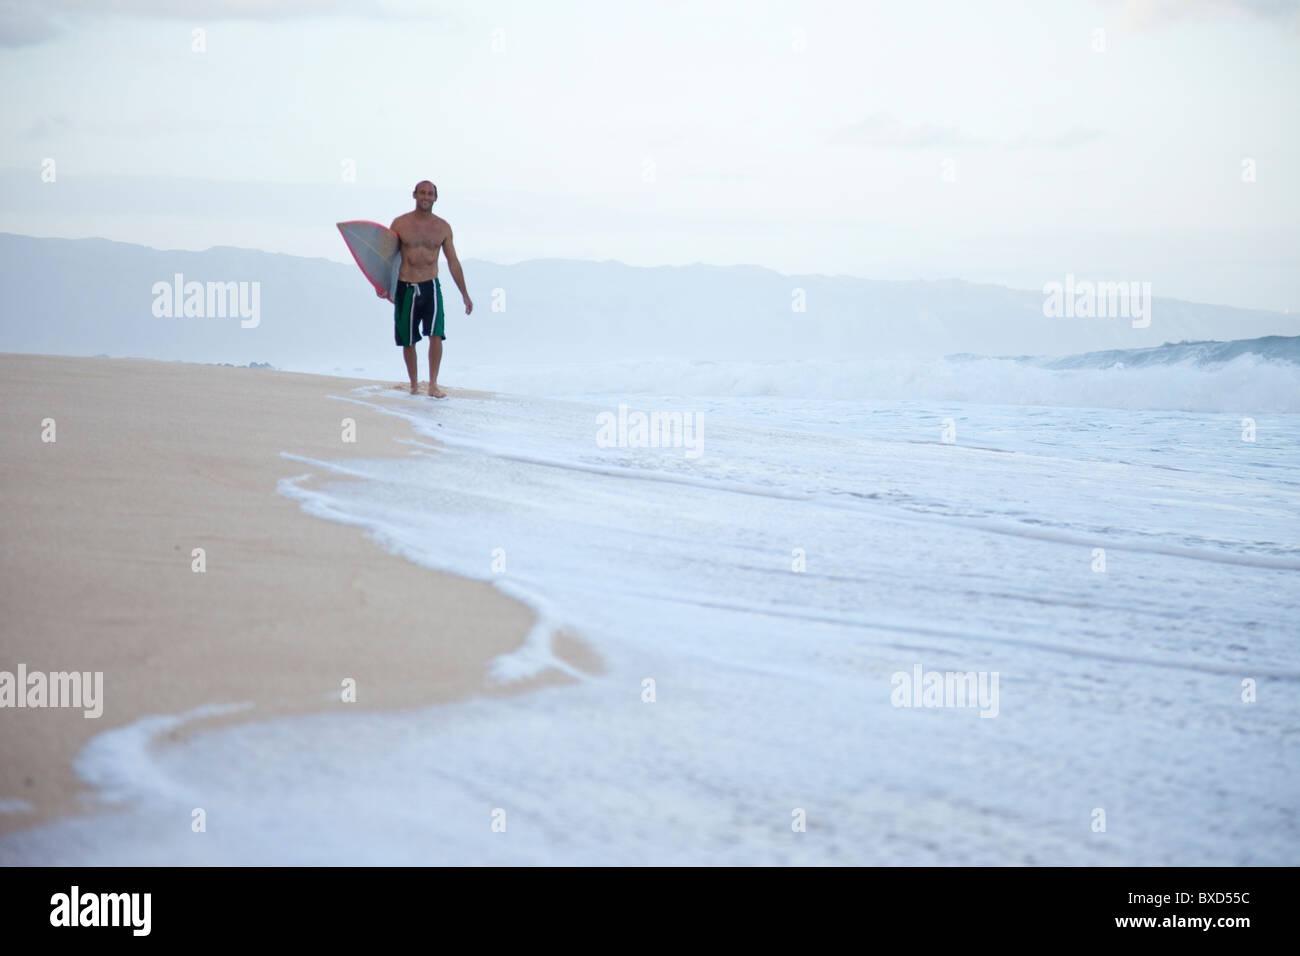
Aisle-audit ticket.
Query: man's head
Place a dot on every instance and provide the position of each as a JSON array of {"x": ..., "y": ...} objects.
[{"x": 426, "y": 194}]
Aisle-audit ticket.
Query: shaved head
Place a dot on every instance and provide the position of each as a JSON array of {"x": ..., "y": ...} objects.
[{"x": 425, "y": 182}]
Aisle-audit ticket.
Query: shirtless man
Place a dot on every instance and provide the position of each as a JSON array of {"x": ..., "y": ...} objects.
[{"x": 417, "y": 304}]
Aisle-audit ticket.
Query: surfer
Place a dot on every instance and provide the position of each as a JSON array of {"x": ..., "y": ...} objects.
[{"x": 417, "y": 303}]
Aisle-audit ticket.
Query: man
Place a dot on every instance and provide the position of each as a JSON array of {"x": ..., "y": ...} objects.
[{"x": 417, "y": 304}]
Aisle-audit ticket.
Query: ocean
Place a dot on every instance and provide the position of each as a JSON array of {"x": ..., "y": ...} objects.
[{"x": 969, "y": 611}]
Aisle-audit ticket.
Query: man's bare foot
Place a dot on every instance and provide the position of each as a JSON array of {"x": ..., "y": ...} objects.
[
  {"x": 435, "y": 391},
  {"x": 415, "y": 389}
]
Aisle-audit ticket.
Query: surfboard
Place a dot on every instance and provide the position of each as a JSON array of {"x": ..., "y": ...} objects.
[{"x": 375, "y": 249}]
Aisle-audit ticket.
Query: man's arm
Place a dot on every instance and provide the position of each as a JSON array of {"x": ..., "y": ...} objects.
[{"x": 453, "y": 266}]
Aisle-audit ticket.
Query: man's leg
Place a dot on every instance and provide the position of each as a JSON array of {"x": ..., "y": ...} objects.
[
  {"x": 404, "y": 330},
  {"x": 412, "y": 365},
  {"x": 435, "y": 360}
]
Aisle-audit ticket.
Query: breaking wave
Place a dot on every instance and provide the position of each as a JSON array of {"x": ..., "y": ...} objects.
[{"x": 1247, "y": 376}]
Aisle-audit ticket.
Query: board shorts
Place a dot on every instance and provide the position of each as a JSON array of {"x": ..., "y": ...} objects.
[{"x": 417, "y": 311}]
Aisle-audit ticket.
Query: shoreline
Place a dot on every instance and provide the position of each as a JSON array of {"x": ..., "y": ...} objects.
[{"x": 99, "y": 570}]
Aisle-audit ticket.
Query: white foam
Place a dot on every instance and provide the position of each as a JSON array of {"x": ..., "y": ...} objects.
[
  {"x": 118, "y": 766},
  {"x": 1246, "y": 385},
  {"x": 1119, "y": 689}
]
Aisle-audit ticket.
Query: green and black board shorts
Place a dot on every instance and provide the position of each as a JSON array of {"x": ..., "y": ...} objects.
[{"x": 417, "y": 311}]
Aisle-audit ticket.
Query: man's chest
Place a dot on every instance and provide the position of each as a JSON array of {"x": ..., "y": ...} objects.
[{"x": 422, "y": 236}]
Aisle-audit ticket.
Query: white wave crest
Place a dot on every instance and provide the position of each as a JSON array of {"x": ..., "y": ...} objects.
[{"x": 1246, "y": 384}]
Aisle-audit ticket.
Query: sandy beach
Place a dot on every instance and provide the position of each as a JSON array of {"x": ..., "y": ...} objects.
[{"x": 153, "y": 460}]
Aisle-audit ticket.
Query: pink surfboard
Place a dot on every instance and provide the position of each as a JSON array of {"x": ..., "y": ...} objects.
[{"x": 376, "y": 251}]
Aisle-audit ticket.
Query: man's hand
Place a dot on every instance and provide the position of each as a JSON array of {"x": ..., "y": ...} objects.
[
  {"x": 382, "y": 293},
  {"x": 469, "y": 306}
]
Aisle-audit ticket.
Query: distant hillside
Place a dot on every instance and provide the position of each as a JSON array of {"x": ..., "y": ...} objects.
[{"x": 91, "y": 296}]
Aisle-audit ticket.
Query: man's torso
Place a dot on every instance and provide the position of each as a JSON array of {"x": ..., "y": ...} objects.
[{"x": 422, "y": 237}]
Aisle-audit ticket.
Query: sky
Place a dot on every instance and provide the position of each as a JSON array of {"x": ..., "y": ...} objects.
[{"x": 1009, "y": 143}]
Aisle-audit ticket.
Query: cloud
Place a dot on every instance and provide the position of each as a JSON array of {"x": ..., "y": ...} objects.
[
  {"x": 885, "y": 131},
  {"x": 1072, "y": 137},
  {"x": 46, "y": 127},
  {"x": 246, "y": 9},
  {"x": 1139, "y": 14},
  {"x": 24, "y": 24},
  {"x": 718, "y": 175}
]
